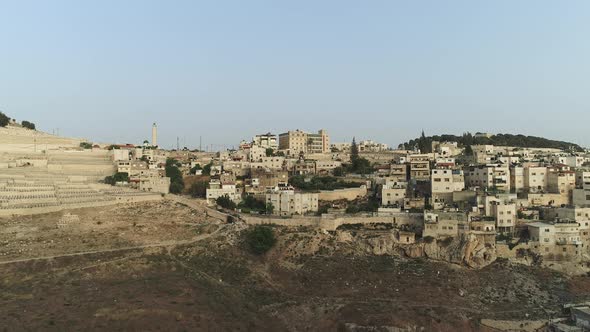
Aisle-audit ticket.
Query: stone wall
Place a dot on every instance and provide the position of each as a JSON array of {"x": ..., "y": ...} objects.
[
  {"x": 331, "y": 223},
  {"x": 348, "y": 194}
]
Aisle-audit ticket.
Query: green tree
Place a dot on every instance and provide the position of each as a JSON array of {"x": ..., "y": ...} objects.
[
  {"x": 86, "y": 145},
  {"x": 269, "y": 152},
  {"x": 207, "y": 169},
  {"x": 4, "y": 120},
  {"x": 270, "y": 208},
  {"x": 260, "y": 239},
  {"x": 252, "y": 204},
  {"x": 176, "y": 187},
  {"x": 196, "y": 168},
  {"x": 225, "y": 202},
  {"x": 198, "y": 189},
  {"x": 354, "y": 151},
  {"x": 175, "y": 175},
  {"x": 338, "y": 171}
]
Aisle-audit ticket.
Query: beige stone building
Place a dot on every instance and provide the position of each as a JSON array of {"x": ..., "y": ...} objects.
[
  {"x": 393, "y": 194},
  {"x": 296, "y": 142},
  {"x": 535, "y": 179},
  {"x": 288, "y": 202},
  {"x": 444, "y": 183},
  {"x": 557, "y": 240},
  {"x": 488, "y": 176},
  {"x": 266, "y": 141},
  {"x": 420, "y": 167},
  {"x": 561, "y": 182},
  {"x": 505, "y": 215}
]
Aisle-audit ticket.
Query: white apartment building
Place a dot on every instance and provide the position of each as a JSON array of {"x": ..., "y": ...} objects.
[{"x": 217, "y": 189}]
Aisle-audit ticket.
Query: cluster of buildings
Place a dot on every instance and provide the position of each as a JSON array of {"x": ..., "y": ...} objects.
[
  {"x": 539, "y": 197},
  {"x": 262, "y": 167},
  {"x": 145, "y": 165},
  {"x": 502, "y": 193}
]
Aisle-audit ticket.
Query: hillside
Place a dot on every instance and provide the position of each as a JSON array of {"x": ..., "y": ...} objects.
[
  {"x": 170, "y": 267},
  {"x": 467, "y": 139}
]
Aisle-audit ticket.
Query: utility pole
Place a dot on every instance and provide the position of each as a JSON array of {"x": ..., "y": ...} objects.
[
  {"x": 177, "y": 143},
  {"x": 200, "y": 143}
]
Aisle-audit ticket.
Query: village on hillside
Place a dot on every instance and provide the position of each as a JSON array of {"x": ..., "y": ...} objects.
[{"x": 461, "y": 202}]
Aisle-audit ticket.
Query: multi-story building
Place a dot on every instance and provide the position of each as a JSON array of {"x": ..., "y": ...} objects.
[
  {"x": 561, "y": 182},
  {"x": 371, "y": 146},
  {"x": 288, "y": 202},
  {"x": 398, "y": 172},
  {"x": 420, "y": 167},
  {"x": 443, "y": 183},
  {"x": 505, "y": 215},
  {"x": 267, "y": 141},
  {"x": 218, "y": 189},
  {"x": 556, "y": 240},
  {"x": 393, "y": 193},
  {"x": 517, "y": 179},
  {"x": 535, "y": 179},
  {"x": 488, "y": 176},
  {"x": 269, "y": 162},
  {"x": 296, "y": 142}
]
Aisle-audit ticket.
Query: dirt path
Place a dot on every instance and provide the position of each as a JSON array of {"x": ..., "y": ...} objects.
[{"x": 145, "y": 246}]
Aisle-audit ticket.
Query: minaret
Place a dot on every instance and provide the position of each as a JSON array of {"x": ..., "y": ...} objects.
[{"x": 154, "y": 135}]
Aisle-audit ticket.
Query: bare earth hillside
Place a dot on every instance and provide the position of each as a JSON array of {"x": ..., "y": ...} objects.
[{"x": 163, "y": 266}]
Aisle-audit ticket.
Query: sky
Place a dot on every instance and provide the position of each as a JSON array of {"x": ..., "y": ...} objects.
[{"x": 222, "y": 71}]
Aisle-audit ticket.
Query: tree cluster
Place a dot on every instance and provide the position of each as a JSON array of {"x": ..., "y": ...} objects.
[
  {"x": 249, "y": 203},
  {"x": 198, "y": 189},
  {"x": 175, "y": 175},
  {"x": 118, "y": 177},
  {"x": 86, "y": 145},
  {"x": 320, "y": 183},
  {"x": 225, "y": 202},
  {"x": 424, "y": 143},
  {"x": 260, "y": 239},
  {"x": 358, "y": 164}
]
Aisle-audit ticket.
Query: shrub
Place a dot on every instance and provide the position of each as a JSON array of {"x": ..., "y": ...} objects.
[
  {"x": 4, "y": 120},
  {"x": 28, "y": 125},
  {"x": 260, "y": 239},
  {"x": 118, "y": 177},
  {"x": 85, "y": 145}
]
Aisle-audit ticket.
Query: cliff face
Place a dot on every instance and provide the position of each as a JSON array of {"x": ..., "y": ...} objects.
[{"x": 468, "y": 250}]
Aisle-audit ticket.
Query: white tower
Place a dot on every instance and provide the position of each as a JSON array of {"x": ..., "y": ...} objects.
[{"x": 154, "y": 135}]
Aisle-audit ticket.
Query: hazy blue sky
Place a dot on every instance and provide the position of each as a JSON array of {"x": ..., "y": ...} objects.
[{"x": 226, "y": 70}]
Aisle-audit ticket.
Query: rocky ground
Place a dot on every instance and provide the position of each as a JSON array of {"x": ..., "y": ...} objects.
[{"x": 310, "y": 281}]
